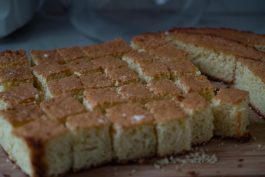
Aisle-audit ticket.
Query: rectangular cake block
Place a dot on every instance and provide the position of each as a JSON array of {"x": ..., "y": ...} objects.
[
  {"x": 202, "y": 117},
  {"x": 42, "y": 148},
  {"x": 135, "y": 92},
  {"x": 101, "y": 98},
  {"x": 230, "y": 108},
  {"x": 214, "y": 56},
  {"x": 11, "y": 77},
  {"x": 164, "y": 88},
  {"x": 173, "y": 127},
  {"x": 96, "y": 80},
  {"x": 71, "y": 53},
  {"x": 24, "y": 94},
  {"x": 39, "y": 57},
  {"x": 199, "y": 84},
  {"x": 46, "y": 72},
  {"x": 250, "y": 76},
  {"x": 61, "y": 107},
  {"x": 13, "y": 59},
  {"x": 133, "y": 134},
  {"x": 91, "y": 139},
  {"x": 68, "y": 85},
  {"x": 116, "y": 47},
  {"x": 109, "y": 62},
  {"x": 121, "y": 76},
  {"x": 82, "y": 67}
]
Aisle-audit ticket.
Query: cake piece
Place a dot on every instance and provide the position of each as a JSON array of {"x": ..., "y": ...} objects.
[
  {"x": 109, "y": 62},
  {"x": 164, "y": 88},
  {"x": 121, "y": 76},
  {"x": 135, "y": 92},
  {"x": 147, "y": 40},
  {"x": 248, "y": 38},
  {"x": 13, "y": 59},
  {"x": 83, "y": 67},
  {"x": 47, "y": 72},
  {"x": 60, "y": 107},
  {"x": 68, "y": 85},
  {"x": 134, "y": 58},
  {"x": 43, "y": 148},
  {"x": 250, "y": 76},
  {"x": 11, "y": 77},
  {"x": 39, "y": 57},
  {"x": 72, "y": 53},
  {"x": 24, "y": 94},
  {"x": 214, "y": 56},
  {"x": 91, "y": 139},
  {"x": 202, "y": 117},
  {"x": 116, "y": 47},
  {"x": 100, "y": 99},
  {"x": 173, "y": 127},
  {"x": 14, "y": 118},
  {"x": 133, "y": 134},
  {"x": 96, "y": 80},
  {"x": 230, "y": 108},
  {"x": 199, "y": 84}
]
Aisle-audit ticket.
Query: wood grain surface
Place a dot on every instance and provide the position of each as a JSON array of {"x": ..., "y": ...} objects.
[{"x": 235, "y": 158}]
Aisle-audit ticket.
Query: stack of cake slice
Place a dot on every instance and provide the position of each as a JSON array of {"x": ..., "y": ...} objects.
[{"x": 75, "y": 108}]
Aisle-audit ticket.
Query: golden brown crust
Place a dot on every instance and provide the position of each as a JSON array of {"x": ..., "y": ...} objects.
[
  {"x": 194, "y": 101},
  {"x": 109, "y": 62},
  {"x": 182, "y": 67},
  {"x": 245, "y": 37},
  {"x": 61, "y": 107},
  {"x": 67, "y": 85},
  {"x": 165, "y": 110},
  {"x": 148, "y": 40},
  {"x": 23, "y": 94},
  {"x": 155, "y": 70},
  {"x": 21, "y": 115},
  {"x": 96, "y": 80},
  {"x": 40, "y": 57},
  {"x": 217, "y": 44},
  {"x": 116, "y": 47},
  {"x": 102, "y": 97},
  {"x": 72, "y": 53},
  {"x": 231, "y": 95},
  {"x": 168, "y": 53},
  {"x": 87, "y": 120},
  {"x": 121, "y": 76},
  {"x": 139, "y": 57},
  {"x": 135, "y": 92},
  {"x": 22, "y": 74},
  {"x": 10, "y": 58},
  {"x": 83, "y": 66},
  {"x": 164, "y": 88},
  {"x": 51, "y": 71},
  {"x": 130, "y": 114}
]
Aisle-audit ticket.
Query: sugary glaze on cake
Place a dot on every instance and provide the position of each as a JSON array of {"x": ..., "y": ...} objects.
[
  {"x": 40, "y": 57},
  {"x": 130, "y": 114},
  {"x": 231, "y": 96},
  {"x": 61, "y": 107},
  {"x": 16, "y": 74},
  {"x": 96, "y": 80},
  {"x": 217, "y": 44},
  {"x": 193, "y": 101}
]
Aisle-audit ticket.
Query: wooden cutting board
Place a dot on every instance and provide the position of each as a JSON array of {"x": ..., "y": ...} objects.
[{"x": 235, "y": 158}]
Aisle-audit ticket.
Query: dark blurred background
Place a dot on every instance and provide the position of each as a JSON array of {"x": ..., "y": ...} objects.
[{"x": 44, "y": 24}]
